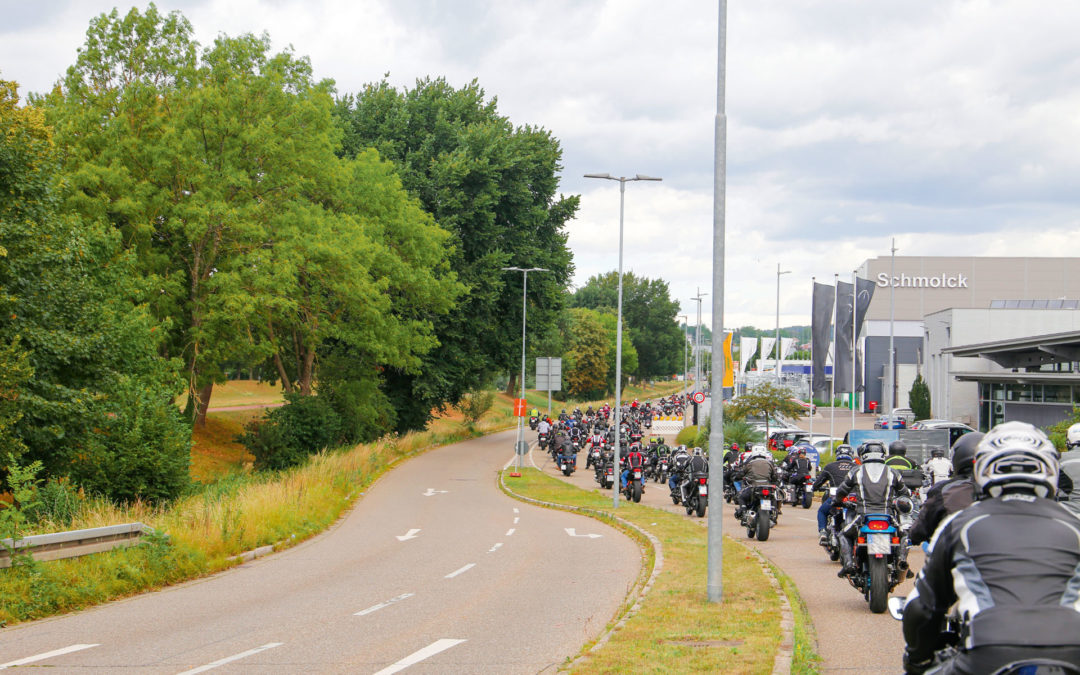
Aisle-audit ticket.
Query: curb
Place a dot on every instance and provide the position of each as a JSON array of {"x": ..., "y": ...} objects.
[
  {"x": 785, "y": 651},
  {"x": 658, "y": 563}
]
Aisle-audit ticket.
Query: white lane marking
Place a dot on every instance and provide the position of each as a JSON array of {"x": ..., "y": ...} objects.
[
  {"x": 383, "y": 605},
  {"x": 809, "y": 520},
  {"x": 411, "y": 534},
  {"x": 510, "y": 532},
  {"x": 432, "y": 492},
  {"x": 516, "y": 511},
  {"x": 507, "y": 465},
  {"x": 572, "y": 531},
  {"x": 46, "y": 655},
  {"x": 230, "y": 659},
  {"x": 460, "y": 571},
  {"x": 494, "y": 548},
  {"x": 516, "y": 520},
  {"x": 418, "y": 656}
]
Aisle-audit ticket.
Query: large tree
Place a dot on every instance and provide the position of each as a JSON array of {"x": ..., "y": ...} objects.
[
  {"x": 585, "y": 366},
  {"x": 648, "y": 312},
  {"x": 98, "y": 406},
  {"x": 493, "y": 186}
]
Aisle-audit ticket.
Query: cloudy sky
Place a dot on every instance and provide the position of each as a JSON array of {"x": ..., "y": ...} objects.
[{"x": 953, "y": 125}]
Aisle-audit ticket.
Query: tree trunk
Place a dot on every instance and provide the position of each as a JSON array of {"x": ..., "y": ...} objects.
[
  {"x": 512, "y": 385},
  {"x": 203, "y": 403},
  {"x": 307, "y": 375}
]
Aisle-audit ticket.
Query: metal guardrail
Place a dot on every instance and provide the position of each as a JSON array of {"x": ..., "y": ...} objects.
[{"x": 75, "y": 543}]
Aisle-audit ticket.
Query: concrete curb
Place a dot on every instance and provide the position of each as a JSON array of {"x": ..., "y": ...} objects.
[
  {"x": 643, "y": 589},
  {"x": 785, "y": 652}
]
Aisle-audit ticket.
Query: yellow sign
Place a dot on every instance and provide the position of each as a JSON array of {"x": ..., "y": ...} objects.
[{"x": 729, "y": 363}]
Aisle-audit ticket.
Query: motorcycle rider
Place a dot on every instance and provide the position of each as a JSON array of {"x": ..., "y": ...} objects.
[
  {"x": 877, "y": 485},
  {"x": 949, "y": 496},
  {"x": 1070, "y": 467},
  {"x": 544, "y": 427},
  {"x": 909, "y": 470},
  {"x": 832, "y": 475},
  {"x": 680, "y": 459},
  {"x": 1010, "y": 562},
  {"x": 937, "y": 468},
  {"x": 759, "y": 469},
  {"x": 796, "y": 466},
  {"x": 633, "y": 458}
]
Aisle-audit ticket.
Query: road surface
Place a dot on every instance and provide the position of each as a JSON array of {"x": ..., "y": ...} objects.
[{"x": 434, "y": 570}]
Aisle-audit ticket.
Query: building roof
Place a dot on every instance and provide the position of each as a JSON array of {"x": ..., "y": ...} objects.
[
  {"x": 1009, "y": 377},
  {"x": 1026, "y": 352}
]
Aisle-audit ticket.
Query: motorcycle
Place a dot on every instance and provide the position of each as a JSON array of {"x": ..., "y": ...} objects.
[
  {"x": 567, "y": 462},
  {"x": 634, "y": 480},
  {"x": 802, "y": 490},
  {"x": 663, "y": 469},
  {"x": 593, "y": 458},
  {"x": 761, "y": 513},
  {"x": 542, "y": 440},
  {"x": 695, "y": 493},
  {"x": 834, "y": 523},
  {"x": 877, "y": 556},
  {"x": 533, "y": 422},
  {"x": 605, "y": 471}
]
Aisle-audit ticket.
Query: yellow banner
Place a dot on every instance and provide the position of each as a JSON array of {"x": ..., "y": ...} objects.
[{"x": 729, "y": 363}]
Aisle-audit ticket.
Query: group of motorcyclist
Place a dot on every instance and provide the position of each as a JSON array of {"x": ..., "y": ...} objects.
[{"x": 999, "y": 520}]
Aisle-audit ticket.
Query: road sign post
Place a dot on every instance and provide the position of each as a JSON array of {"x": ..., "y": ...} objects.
[{"x": 548, "y": 376}]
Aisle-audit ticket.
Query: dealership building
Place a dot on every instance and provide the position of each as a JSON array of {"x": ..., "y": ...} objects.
[{"x": 996, "y": 339}]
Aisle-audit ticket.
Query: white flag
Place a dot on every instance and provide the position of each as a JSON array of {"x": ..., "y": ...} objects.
[{"x": 747, "y": 347}]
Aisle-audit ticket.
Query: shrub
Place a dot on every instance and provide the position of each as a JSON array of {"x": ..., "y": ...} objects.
[
  {"x": 687, "y": 435},
  {"x": 288, "y": 435},
  {"x": 58, "y": 502},
  {"x": 474, "y": 405},
  {"x": 919, "y": 397}
]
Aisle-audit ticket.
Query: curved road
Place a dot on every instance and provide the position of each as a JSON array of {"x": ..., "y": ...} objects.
[
  {"x": 434, "y": 570},
  {"x": 850, "y": 638}
]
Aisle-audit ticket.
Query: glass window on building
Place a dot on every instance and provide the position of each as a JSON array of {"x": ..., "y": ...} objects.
[{"x": 1057, "y": 393}]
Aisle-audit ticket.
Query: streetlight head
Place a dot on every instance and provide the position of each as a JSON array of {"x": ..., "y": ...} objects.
[
  {"x": 606, "y": 176},
  {"x": 644, "y": 177},
  {"x": 537, "y": 269},
  {"x": 511, "y": 269}
]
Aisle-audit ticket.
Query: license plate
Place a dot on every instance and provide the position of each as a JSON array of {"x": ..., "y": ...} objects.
[
  {"x": 703, "y": 490},
  {"x": 878, "y": 543},
  {"x": 562, "y": 467},
  {"x": 765, "y": 506},
  {"x": 832, "y": 492},
  {"x": 637, "y": 474}
]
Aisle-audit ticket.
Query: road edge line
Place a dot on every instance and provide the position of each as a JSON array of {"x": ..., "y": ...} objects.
[{"x": 627, "y": 609}]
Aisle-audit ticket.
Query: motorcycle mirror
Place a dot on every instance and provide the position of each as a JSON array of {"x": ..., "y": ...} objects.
[{"x": 896, "y": 608}]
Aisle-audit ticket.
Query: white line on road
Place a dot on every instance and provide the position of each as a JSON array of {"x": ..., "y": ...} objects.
[
  {"x": 460, "y": 571},
  {"x": 516, "y": 520},
  {"x": 411, "y": 534},
  {"x": 230, "y": 659},
  {"x": 431, "y": 492},
  {"x": 46, "y": 655},
  {"x": 382, "y": 605},
  {"x": 510, "y": 532},
  {"x": 572, "y": 531},
  {"x": 516, "y": 511},
  {"x": 809, "y": 520},
  {"x": 416, "y": 657},
  {"x": 494, "y": 548}
]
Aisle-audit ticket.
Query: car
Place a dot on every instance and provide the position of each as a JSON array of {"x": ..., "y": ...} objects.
[
  {"x": 807, "y": 407},
  {"x": 823, "y": 443},
  {"x": 956, "y": 429},
  {"x": 901, "y": 418}
]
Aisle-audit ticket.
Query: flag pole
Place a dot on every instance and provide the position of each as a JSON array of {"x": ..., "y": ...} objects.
[
  {"x": 832, "y": 380},
  {"x": 811, "y": 401},
  {"x": 854, "y": 339}
]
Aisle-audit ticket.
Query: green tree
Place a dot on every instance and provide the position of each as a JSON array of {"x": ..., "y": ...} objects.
[
  {"x": 493, "y": 187},
  {"x": 585, "y": 367},
  {"x": 98, "y": 407},
  {"x": 649, "y": 314},
  {"x": 919, "y": 396},
  {"x": 629, "y": 352},
  {"x": 765, "y": 400}
]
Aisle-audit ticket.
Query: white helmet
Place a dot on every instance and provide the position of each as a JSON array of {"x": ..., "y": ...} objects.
[
  {"x": 1016, "y": 454},
  {"x": 1072, "y": 437}
]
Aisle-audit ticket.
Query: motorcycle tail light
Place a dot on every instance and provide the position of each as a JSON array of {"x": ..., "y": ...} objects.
[
  {"x": 862, "y": 540},
  {"x": 877, "y": 525},
  {"x": 765, "y": 493},
  {"x": 896, "y": 540},
  {"x": 702, "y": 480}
]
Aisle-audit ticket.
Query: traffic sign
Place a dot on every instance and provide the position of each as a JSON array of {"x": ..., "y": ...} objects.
[
  {"x": 699, "y": 397},
  {"x": 519, "y": 407}
]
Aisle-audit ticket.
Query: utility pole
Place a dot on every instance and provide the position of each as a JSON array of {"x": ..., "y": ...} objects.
[{"x": 697, "y": 343}]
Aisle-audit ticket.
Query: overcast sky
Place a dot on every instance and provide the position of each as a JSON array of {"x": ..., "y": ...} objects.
[{"x": 952, "y": 125}]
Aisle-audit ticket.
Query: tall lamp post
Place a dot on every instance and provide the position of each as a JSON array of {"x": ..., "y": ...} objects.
[
  {"x": 697, "y": 342},
  {"x": 519, "y": 447},
  {"x": 776, "y": 363},
  {"x": 618, "y": 322},
  {"x": 685, "y": 367}
]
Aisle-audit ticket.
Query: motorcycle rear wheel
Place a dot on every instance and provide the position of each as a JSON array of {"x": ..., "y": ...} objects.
[
  {"x": 701, "y": 507},
  {"x": 879, "y": 585},
  {"x": 807, "y": 499},
  {"x": 763, "y": 527},
  {"x": 637, "y": 492}
]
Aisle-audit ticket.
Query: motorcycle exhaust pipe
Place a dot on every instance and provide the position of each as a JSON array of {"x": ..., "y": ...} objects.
[{"x": 902, "y": 565}]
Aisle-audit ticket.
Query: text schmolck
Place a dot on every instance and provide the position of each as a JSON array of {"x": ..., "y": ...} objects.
[{"x": 942, "y": 280}]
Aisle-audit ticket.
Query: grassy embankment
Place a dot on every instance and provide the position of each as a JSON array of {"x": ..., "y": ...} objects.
[
  {"x": 231, "y": 511},
  {"x": 676, "y": 629}
]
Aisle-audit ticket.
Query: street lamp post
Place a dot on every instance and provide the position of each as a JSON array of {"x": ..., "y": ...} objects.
[
  {"x": 519, "y": 447},
  {"x": 685, "y": 366},
  {"x": 618, "y": 322},
  {"x": 776, "y": 363},
  {"x": 697, "y": 342}
]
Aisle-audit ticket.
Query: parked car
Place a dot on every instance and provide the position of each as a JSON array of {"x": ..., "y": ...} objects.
[
  {"x": 810, "y": 408},
  {"x": 956, "y": 429},
  {"x": 782, "y": 439},
  {"x": 901, "y": 418}
]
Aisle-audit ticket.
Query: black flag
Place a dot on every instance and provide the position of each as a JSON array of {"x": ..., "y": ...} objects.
[
  {"x": 821, "y": 323},
  {"x": 845, "y": 315},
  {"x": 865, "y": 293}
]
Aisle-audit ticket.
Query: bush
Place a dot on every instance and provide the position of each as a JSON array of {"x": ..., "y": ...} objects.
[
  {"x": 919, "y": 397},
  {"x": 474, "y": 405},
  {"x": 741, "y": 432},
  {"x": 687, "y": 435},
  {"x": 58, "y": 502},
  {"x": 1057, "y": 432},
  {"x": 288, "y": 435}
]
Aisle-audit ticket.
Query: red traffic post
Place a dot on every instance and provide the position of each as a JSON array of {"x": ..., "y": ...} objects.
[{"x": 519, "y": 407}]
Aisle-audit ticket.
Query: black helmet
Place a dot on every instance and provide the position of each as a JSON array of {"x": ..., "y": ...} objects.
[
  {"x": 937, "y": 452},
  {"x": 872, "y": 451},
  {"x": 898, "y": 448},
  {"x": 963, "y": 453}
]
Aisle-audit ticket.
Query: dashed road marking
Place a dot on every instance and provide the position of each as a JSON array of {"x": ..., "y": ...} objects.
[
  {"x": 460, "y": 571},
  {"x": 494, "y": 548},
  {"x": 418, "y": 656},
  {"x": 383, "y": 605},
  {"x": 230, "y": 659},
  {"x": 46, "y": 655},
  {"x": 510, "y": 532}
]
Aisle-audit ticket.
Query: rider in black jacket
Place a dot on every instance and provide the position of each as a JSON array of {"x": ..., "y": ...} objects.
[
  {"x": 832, "y": 475},
  {"x": 876, "y": 486},
  {"x": 1010, "y": 563}
]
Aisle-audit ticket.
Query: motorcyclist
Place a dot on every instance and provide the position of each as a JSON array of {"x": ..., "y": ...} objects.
[
  {"x": 544, "y": 427},
  {"x": 697, "y": 464},
  {"x": 1009, "y": 562},
  {"x": 680, "y": 458},
  {"x": 1070, "y": 466},
  {"x": 877, "y": 485},
  {"x": 909, "y": 470},
  {"x": 759, "y": 469},
  {"x": 937, "y": 468},
  {"x": 950, "y": 496},
  {"x": 832, "y": 475},
  {"x": 633, "y": 458}
]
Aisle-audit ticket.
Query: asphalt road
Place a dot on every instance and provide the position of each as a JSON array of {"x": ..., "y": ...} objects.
[
  {"x": 850, "y": 638},
  {"x": 434, "y": 570}
]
